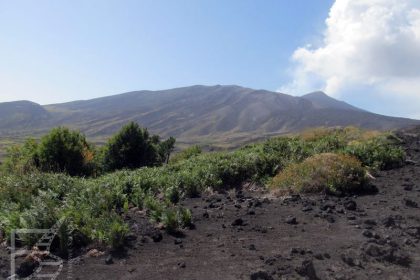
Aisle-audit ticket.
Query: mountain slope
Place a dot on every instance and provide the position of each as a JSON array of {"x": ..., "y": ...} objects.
[
  {"x": 20, "y": 115},
  {"x": 322, "y": 101},
  {"x": 224, "y": 114}
]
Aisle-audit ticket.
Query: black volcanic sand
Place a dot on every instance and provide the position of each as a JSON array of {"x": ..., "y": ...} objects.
[{"x": 244, "y": 234}]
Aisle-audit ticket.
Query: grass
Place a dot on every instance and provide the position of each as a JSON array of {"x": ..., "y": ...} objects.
[{"x": 94, "y": 207}]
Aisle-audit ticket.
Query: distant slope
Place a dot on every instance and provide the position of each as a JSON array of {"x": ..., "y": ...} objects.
[
  {"x": 322, "y": 101},
  {"x": 204, "y": 114},
  {"x": 21, "y": 115}
]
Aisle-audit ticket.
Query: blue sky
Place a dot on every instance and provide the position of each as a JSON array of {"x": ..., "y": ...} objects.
[{"x": 55, "y": 51}]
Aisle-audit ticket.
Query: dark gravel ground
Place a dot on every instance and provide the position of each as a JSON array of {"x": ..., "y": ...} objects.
[{"x": 245, "y": 234}]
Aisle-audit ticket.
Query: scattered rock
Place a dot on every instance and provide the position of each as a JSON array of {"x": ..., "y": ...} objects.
[
  {"x": 327, "y": 206},
  {"x": 307, "y": 270},
  {"x": 329, "y": 218},
  {"x": 131, "y": 237},
  {"x": 388, "y": 221},
  {"x": 252, "y": 247},
  {"x": 261, "y": 275},
  {"x": 391, "y": 255},
  {"x": 27, "y": 268},
  {"x": 251, "y": 212},
  {"x": 297, "y": 250},
  {"x": 367, "y": 233},
  {"x": 350, "y": 261},
  {"x": 131, "y": 269},
  {"x": 410, "y": 162},
  {"x": 307, "y": 208},
  {"x": 238, "y": 222},
  {"x": 291, "y": 220},
  {"x": 157, "y": 236},
  {"x": 319, "y": 256},
  {"x": 369, "y": 224},
  {"x": 410, "y": 203},
  {"x": 350, "y": 205},
  {"x": 109, "y": 260},
  {"x": 414, "y": 232},
  {"x": 408, "y": 186}
]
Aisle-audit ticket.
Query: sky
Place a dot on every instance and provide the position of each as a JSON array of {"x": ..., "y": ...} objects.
[{"x": 365, "y": 52}]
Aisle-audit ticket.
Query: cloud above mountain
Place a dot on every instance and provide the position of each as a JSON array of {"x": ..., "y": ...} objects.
[{"x": 368, "y": 47}]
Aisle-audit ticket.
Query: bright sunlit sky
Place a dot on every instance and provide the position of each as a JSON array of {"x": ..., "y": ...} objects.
[{"x": 366, "y": 52}]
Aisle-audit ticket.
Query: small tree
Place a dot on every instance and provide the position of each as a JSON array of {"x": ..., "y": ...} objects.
[
  {"x": 166, "y": 148},
  {"x": 129, "y": 148},
  {"x": 63, "y": 150}
]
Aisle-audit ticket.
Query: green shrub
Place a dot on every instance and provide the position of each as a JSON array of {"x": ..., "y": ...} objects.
[
  {"x": 117, "y": 233},
  {"x": 132, "y": 147},
  {"x": 184, "y": 217},
  {"x": 331, "y": 173},
  {"x": 172, "y": 194},
  {"x": 170, "y": 220},
  {"x": 377, "y": 153},
  {"x": 63, "y": 150}
]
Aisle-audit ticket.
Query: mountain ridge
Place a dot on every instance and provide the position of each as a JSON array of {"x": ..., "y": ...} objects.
[{"x": 195, "y": 114}]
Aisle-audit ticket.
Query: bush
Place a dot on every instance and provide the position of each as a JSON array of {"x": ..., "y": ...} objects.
[
  {"x": 185, "y": 217},
  {"x": 63, "y": 150},
  {"x": 329, "y": 173},
  {"x": 132, "y": 147},
  {"x": 377, "y": 153},
  {"x": 117, "y": 233}
]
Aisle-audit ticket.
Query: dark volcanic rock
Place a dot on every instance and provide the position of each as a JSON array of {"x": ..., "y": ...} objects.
[
  {"x": 291, "y": 220},
  {"x": 27, "y": 268},
  {"x": 238, "y": 222},
  {"x": 109, "y": 260},
  {"x": 350, "y": 260},
  {"x": 350, "y": 205},
  {"x": 367, "y": 233},
  {"x": 307, "y": 208},
  {"x": 307, "y": 270},
  {"x": 410, "y": 203},
  {"x": 157, "y": 236},
  {"x": 392, "y": 255},
  {"x": 261, "y": 275}
]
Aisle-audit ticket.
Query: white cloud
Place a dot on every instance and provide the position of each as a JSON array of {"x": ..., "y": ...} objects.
[{"x": 374, "y": 44}]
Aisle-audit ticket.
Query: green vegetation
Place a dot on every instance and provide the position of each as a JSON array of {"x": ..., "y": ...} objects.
[
  {"x": 21, "y": 159},
  {"x": 63, "y": 150},
  {"x": 186, "y": 154},
  {"x": 332, "y": 160},
  {"x": 132, "y": 148},
  {"x": 323, "y": 173}
]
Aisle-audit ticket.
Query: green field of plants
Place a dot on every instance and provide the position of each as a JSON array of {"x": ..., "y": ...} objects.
[{"x": 38, "y": 186}]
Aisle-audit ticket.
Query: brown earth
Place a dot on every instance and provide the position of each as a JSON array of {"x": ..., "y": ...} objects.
[{"x": 246, "y": 234}]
